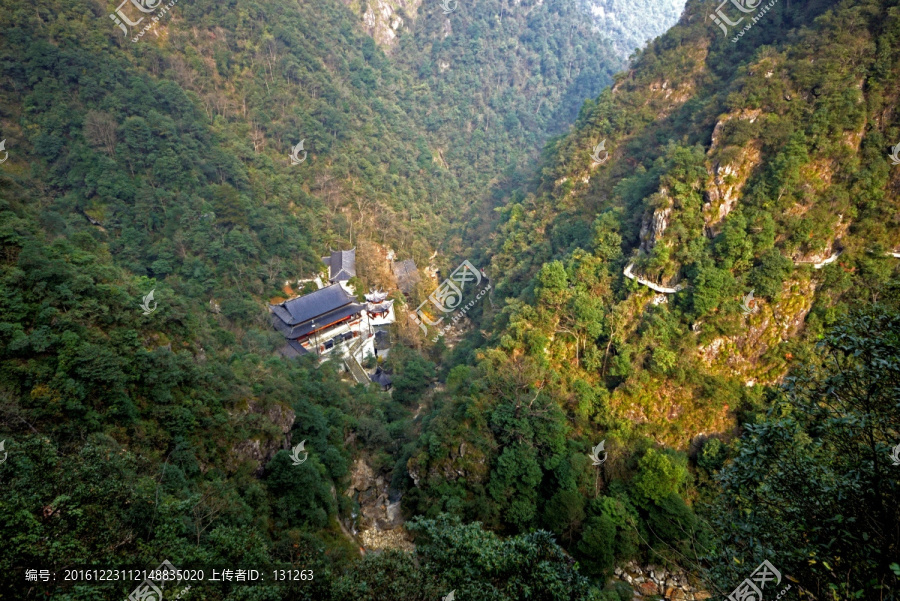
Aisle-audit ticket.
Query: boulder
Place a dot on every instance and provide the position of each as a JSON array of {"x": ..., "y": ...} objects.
[{"x": 647, "y": 589}]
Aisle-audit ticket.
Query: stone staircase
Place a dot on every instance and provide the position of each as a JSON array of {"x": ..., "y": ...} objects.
[{"x": 356, "y": 370}]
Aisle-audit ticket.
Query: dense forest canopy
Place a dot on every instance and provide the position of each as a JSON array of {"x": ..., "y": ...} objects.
[
  {"x": 688, "y": 364},
  {"x": 630, "y": 24}
]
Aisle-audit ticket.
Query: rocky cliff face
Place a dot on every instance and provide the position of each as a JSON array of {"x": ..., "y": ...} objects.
[
  {"x": 728, "y": 168},
  {"x": 655, "y": 582},
  {"x": 461, "y": 462},
  {"x": 769, "y": 324},
  {"x": 385, "y": 19},
  {"x": 654, "y": 223},
  {"x": 377, "y": 521},
  {"x": 269, "y": 426}
]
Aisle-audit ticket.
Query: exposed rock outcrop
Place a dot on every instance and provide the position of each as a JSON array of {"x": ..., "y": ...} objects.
[
  {"x": 382, "y": 19},
  {"x": 651, "y": 580},
  {"x": 653, "y": 225},
  {"x": 667, "y": 95},
  {"x": 740, "y": 355},
  {"x": 379, "y": 522},
  {"x": 271, "y": 426},
  {"x": 728, "y": 169},
  {"x": 461, "y": 462}
]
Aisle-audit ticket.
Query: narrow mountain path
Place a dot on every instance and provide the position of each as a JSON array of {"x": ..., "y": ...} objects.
[
  {"x": 356, "y": 370},
  {"x": 821, "y": 264},
  {"x": 662, "y": 289}
]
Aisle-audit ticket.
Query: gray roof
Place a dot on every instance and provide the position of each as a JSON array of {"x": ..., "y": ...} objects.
[
  {"x": 382, "y": 340},
  {"x": 379, "y": 307},
  {"x": 381, "y": 378},
  {"x": 376, "y": 296},
  {"x": 304, "y": 308},
  {"x": 304, "y": 314},
  {"x": 293, "y": 349},
  {"x": 318, "y": 323},
  {"x": 407, "y": 275},
  {"x": 341, "y": 265}
]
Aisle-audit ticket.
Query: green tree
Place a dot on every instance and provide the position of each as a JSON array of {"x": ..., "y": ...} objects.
[
  {"x": 609, "y": 534},
  {"x": 811, "y": 487},
  {"x": 597, "y": 545},
  {"x": 513, "y": 485},
  {"x": 710, "y": 287},
  {"x": 769, "y": 273},
  {"x": 660, "y": 473},
  {"x": 413, "y": 375},
  {"x": 564, "y": 513},
  {"x": 478, "y": 564}
]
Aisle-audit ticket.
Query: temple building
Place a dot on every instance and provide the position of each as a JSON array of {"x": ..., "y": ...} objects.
[
  {"x": 407, "y": 275},
  {"x": 317, "y": 322},
  {"x": 380, "y": 312},
  {"x": 330, "y": 323},
  {"x": 322, "y": 321},
  {"x": 341, "y": 265},
  {"x": 381, "y": 378},
  {"x": 379, "y": 309}
]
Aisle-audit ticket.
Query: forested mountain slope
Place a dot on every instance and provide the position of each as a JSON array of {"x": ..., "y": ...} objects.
[
  {"x": 160, "y": 164},
  {"x": 733, "y": 168},
  {"x": 502, "y": 77},
  {"x": 629, "y": 24},
  {"x": 141, "y": 431},
  {"x": 748, "y": 178}
]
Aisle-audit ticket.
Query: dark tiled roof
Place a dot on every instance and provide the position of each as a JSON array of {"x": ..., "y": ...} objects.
[
  {"x": 382, "y": 340},
  {"x": 302, "y": 315},
  {"x": 293, "y": 349},
  {"x": 377, "y": 308},
  {"x": 307, "y": 327},
  {"x": 308, "y": 306},
  {"x": 381, "y": 378},
  {"x": 341, "y": 265},
  {"x": 407, "y": 275}
]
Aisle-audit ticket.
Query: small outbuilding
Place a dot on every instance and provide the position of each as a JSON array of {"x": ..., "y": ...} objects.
[
  {"x": 407, "y": 275},
  {"x": 341, "y": 265}
]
